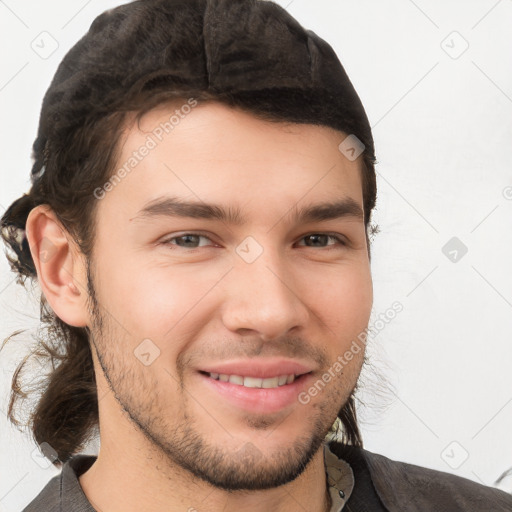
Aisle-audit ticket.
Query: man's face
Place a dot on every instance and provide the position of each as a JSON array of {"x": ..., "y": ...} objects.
[{"x": 182, "y": 296}]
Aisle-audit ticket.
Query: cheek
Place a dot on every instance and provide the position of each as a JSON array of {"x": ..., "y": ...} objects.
[
  {"x": 154, "y": 300},
  {"x": 343, "y": 299}
]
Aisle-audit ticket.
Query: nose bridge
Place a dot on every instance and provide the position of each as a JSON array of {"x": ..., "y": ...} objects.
[{"x": 260, "y": 295}]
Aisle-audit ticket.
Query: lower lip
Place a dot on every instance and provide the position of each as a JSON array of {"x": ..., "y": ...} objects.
[{"x": 259, "y": 400}]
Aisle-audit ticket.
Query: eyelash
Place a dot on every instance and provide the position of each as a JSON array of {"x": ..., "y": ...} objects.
[{"x": 331, "y": 236}]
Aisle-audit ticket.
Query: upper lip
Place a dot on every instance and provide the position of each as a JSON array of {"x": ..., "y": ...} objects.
[{"x": 259, "y": 368}]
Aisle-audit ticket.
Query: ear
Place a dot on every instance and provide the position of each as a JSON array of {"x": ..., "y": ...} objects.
[{"x": 60, "y": 266}]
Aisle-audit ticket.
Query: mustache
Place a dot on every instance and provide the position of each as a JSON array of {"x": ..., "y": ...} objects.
[{"x": 253, "y": 348}]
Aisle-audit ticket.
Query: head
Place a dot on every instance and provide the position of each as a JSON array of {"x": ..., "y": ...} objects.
[{"x": 138, "y": 299}]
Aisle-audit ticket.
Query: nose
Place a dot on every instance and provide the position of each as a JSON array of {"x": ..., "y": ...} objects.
[{"x": 263, "y": 298}]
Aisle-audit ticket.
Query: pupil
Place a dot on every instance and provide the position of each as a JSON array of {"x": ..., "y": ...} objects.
[
  {"x": 317, "y": 237},
  {"x": 189, "y": 239}
]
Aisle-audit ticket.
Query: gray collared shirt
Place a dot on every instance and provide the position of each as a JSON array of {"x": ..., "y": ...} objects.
[
  {"x": 358, "y": 481},
  {"x": 63, "y": 492}
]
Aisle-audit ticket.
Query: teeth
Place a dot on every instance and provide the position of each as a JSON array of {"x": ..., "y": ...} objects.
[
  {"x": 254, "y": 382},
  {"x": 270, "y": 383},
  {"x": 236, "y": 379}
]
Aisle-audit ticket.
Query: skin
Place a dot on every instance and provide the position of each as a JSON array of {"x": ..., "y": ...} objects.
[{"x": 168, "y": 441}]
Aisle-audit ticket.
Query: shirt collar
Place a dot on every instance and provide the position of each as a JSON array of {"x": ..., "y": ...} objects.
[{"x": 339, "y": 477}]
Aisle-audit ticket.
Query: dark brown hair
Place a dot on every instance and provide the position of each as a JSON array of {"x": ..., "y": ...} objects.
[{"x": 248, "y": 54}]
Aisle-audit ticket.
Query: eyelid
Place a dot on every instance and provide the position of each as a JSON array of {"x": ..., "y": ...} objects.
[
  {"x": 180, "y": 234},
  {"x": 338, "y": 236}
]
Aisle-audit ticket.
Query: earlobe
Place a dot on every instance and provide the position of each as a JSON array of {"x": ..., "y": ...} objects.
[{"x": 59, "y": 265}]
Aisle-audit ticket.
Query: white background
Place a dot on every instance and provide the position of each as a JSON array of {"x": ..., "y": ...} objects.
[{"x": 442, "y": 123}]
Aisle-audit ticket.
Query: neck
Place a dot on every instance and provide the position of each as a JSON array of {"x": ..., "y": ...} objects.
[
  {"x": 132, "y": 474},
  {"x": 123, "y": 480}
]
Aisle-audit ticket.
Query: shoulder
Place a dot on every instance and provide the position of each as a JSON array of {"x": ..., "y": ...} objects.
[
  {"x": 404, "y": 486},
  {"x": 48, "y": 500},
  {"x": 63, "y": 491}
]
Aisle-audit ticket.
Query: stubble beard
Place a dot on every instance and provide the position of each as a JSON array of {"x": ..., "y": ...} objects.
[{"x": 182, "y": 444}]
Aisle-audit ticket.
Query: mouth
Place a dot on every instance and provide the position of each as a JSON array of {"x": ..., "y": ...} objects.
[
  {"x": 255, "y": 382},
  {"x": 255, "y": 394}
]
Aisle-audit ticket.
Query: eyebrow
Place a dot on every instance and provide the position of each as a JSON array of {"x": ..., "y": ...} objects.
[{"x": 175, "y": 207}]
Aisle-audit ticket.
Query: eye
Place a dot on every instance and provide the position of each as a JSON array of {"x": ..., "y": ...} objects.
[
  {"x": 193, "y": 240},
  {"x": 187, "y": 240},
  {"x": 319, "y": 239}
]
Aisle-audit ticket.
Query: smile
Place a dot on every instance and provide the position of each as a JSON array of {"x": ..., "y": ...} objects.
[{"x": 254, "y": 382}]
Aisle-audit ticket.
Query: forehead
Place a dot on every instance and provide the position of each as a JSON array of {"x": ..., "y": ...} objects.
[{"x": 214, "y": 152}]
